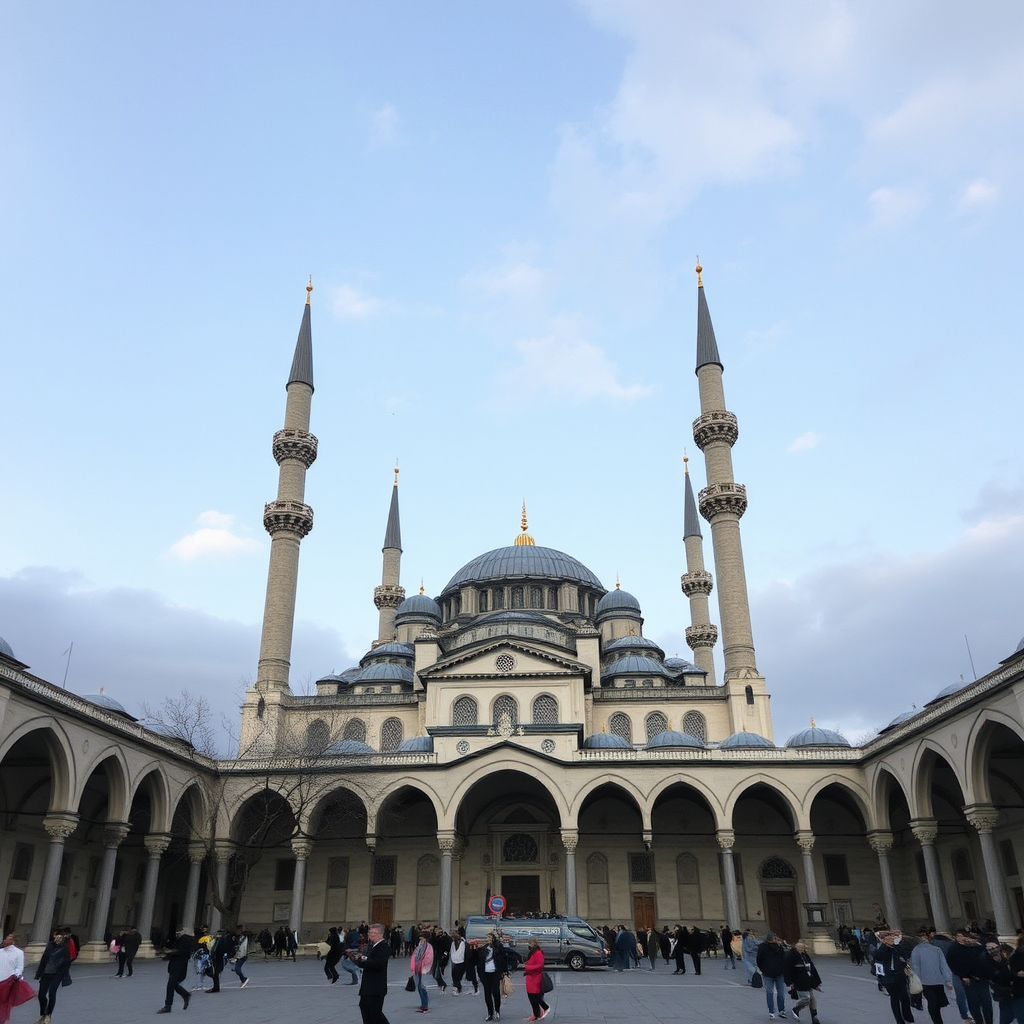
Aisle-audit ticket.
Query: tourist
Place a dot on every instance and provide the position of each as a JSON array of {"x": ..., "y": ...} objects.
[
  {"x": 374, "y": 986},
  {"x": 890, "y": 966},
  {"x": 53, "y": 968},
  {"x": 420, "y": 963},
  {"x": 771, "y": 962},
  {"x": 178, "y": 957},
  {"x": 803, "y": 980},
  {"x": 492, "y": 966},
  {"x": 533, "y": 969},
  {"x": 929, "y": 964}
]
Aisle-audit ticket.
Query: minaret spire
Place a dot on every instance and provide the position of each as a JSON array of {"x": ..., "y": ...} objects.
[
  {"x": 697, "y": 583},
  {"x": 288, "y": 519},
  {"x": 390, "y": 594}
]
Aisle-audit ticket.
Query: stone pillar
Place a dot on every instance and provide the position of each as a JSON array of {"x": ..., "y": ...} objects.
[
  {"x": 196, "y": 856},
  {"x": 302, "y": 847},
  {"x": 156, "y": 843},
  {"x": 446, "y": 842},
  {"x": 112, "y": 836},
  {"x": 925, "y": 832},
  {"x": 984, "y": 818},
  {"x": 805, "y": 840},
  {"x": 59, "y": 828},
  {"x": 222, "y": 854},
  {"x": 881, "y": 843},
  {"x": 570, "y": 840},
  {"x": 726, "y": 840}
]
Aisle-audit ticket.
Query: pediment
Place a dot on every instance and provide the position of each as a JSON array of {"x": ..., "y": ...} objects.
[{"x": 483, "y": 661}]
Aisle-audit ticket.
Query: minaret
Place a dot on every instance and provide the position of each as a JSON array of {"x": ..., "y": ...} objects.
[
  {"x": 697, "y": 584},
  {"x": 723, "y": 501},
  {"x": 288, "y": 519},
  {"x": 389, "y": 595}
]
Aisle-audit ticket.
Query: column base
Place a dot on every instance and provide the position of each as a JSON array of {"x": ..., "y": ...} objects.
[
  {"x": 95, "y": 953},
  {"x": 821, "y": 944}
]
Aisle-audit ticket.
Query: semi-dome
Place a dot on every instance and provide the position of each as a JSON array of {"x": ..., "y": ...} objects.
[
  {"x": 101, "y": 700},
  {"x": 350, "y": 747},
  {"x": 417, "y": 745},
  {"x": 606, "y": 741},
  {"x": 634, "y": 665},
  {"x": 815, "y": 737},
  {"x": 523, "y": 561},
  {"x": 673, "y": 739},
  {"x": 617, "y": 602},
  {"x": 741, "y": 740},
  {"x": 385, "y": 672},
  {"x": 419, "y": 605},
  {"x": 6, "y": 650}
]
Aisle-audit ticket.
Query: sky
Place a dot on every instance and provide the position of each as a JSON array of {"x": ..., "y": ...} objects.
[{"x": 501, "y": 206}]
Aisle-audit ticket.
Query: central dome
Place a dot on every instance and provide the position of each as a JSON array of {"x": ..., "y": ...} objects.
[{"x": 523, "y": 561}]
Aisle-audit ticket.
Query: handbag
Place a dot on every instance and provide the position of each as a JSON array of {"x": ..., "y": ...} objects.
[
  {"x": 914, "y": 982},
  {"x": 546, "y": 984},
  {"x": 757, "y": 981},
  {"x": 507, "y": 988},
  {"x": 410, "y": 985}
]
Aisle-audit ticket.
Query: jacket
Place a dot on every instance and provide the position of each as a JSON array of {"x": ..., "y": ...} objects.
[
  {"x": 930, "y": 964},
  {"x": 771, "y": 959},
  {"x": 890, "y": 964},
  {"x": 800, "y": 972},
  {"x": 375, "y": 970},
  {"x": 426, "y": 959},
  {"x": 534, "y": 969}
]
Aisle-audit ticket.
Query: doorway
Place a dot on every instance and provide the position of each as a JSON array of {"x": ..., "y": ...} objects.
[
  {"x": 644, "y": 911},
  {"x": 522, "y": 894},
  {"x": 782, "y": 916},
  {"x": 382, "y": 910}
]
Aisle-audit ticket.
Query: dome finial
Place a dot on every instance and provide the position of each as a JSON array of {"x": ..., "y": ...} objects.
[
  {"x": 524, "y": 537},
  {"x": 699, "y": 268},
  {"x": 422, "y": 591},
  {"x": 396, "y": 471},
  {"x": 686, "y": 463},
  {"x": 618, "y": 585},
  {"x": 309, "y": 289},
  {"x": 814, "y": 724}
]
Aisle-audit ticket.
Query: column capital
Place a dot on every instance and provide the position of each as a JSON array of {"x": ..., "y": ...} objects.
[
  {"x": 984, "y": 817},
  {"x": 197, "y": 852},
  {"x": 302, "y": 847},
  {"x": 925, "y": 830},
  {"x": 447, "y": 842},
  {"x": 648, "y": 838},
  {"x": 880, "y": 842},
  {"x": 223, "y": 851},
  {"x": 113, "y": 834},
  {"x": 570, "y": 839},
  {"x": 371, "y": 843},
  {"x": 60, "y": 826},
  {"x": 157, "y": 843},
  {"x": 805, "y": 840},
  {"x": 726, "y": 838}
]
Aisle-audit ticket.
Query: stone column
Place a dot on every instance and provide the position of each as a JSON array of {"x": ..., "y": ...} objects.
[
  {"x": 112, "y": 836},
  {"x": 302, "y": 847},
  {"x": 446, "y": 844},
  {"x": 570, "y": 840},
  {"x": 196, "y": 856},
  {"x": 222, "y": 854},
  {"x": 59, "y": 828},
  {"x": 984, "y": 818},
  {"x": 805, "y": 840},
  {"x": 881, "y": 843},
  {"x": 925, "y": 832},
  {"x": 156, "y": 843},
  {"x": 726, "y": 840}
]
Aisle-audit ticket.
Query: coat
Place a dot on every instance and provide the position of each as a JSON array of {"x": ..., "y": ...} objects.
[
  {"x": 534, "y": 969},
  {"x": 375, "y": 970},
  {"x": 426, "y": 962},
  {"x": 771, "y": 959},
  {"x": 800, "y": 972}
]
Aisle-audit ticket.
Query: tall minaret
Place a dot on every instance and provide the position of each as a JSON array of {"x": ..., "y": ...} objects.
[
  {"x": 288, "y": 519},
  {"x": 723, "y": 501},
  {"x": 389, "y": 595},
  {"x": 697, "y": 584}
]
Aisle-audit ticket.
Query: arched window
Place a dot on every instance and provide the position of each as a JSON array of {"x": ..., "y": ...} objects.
[
  {"x": 776, "y": 867},
  {"x": 655, "y": 722},
  {"x": 506, "y": 705},
  {"x": 545, "y": 710},
  {"x": 553, "y": 598},
  {"x": 464, "y": 711},
  {"x": 696, "y": 725},
  {"x": 318, "y": 736},
  {"x": 499, "y": 598},
  {"x": 622, "y": 726},
  {"x": 749, "y": 690},
  {"x": 355, "y": 729},
  {"x": 482, "y": 598},
  {"x": 390, "y": 735},
  {"x": 517, "y": 597},
  {"x": 519, "y": 848},
  {"x": 427, "y": 871},
  {"x": 536, "y": 597}
]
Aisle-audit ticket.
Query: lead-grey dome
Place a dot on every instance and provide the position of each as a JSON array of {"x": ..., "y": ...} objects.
[
  {"x": 605, "y": 741},
  {"x": 740, "y": 740},
  {"x": 631, "y": 644},
  {"x": 6, "y": 650},
  {"x": 392, "y": 649},
  {"x": 101, "y": 700},
  {"x": 419, "y": 605},
  {"x": 417, "y": 745},
  {"x": 523, "y": 561},
  {"x": 634, "y": 665},
  {"x": 815, "y": 737},
  {"x": 350, "y": 747},
  {"x": 617, "y": 602},
  {"x": 385, "y": 672},
  {"x": 673, "y": 739},
  {"x": 680, "y": 666}
]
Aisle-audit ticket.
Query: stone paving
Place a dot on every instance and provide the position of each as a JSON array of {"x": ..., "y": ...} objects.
[{"x": 298, "y": 993}]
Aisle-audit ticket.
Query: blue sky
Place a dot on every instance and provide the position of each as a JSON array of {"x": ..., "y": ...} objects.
[{"x": 500, "y": 205}]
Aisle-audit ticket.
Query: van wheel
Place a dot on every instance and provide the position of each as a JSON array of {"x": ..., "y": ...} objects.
[{"x": 576, "y": 961}]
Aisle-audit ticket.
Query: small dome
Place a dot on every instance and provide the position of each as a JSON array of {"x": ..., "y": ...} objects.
[
  {"x": 417, "y": 745},
  {"x": 385, "y": 672},
  {"x": 161, "y": 728},
  {"x": 419, "y": 605},
  {"x": 672, "y": 739},
  {"x": 392, "y": 649},
  {"x": 634, "y": 665},
  {"x": 6, "y": 650},
  {"x": 949, "y": 691},
  {"x": 741, "y": 740},
  {"x": 101, "y": 700},
  {"x": 680, "y": 666},
  {"x": 346, "y": 678},
  {"x": 605, "y": 741},
  {"x": 632, "y": 643},
  {"x": 350, "y": 747},
  {"x": 815, "y": 737},
  {"x": 899, "y": 718},
  {"x": 617, "y": 603}
]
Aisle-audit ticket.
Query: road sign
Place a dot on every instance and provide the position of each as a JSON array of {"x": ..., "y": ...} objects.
[{"x": 496, "y": 904}]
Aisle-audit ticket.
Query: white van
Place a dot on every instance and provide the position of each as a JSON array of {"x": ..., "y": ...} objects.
[{"x": 563, "y": 940}]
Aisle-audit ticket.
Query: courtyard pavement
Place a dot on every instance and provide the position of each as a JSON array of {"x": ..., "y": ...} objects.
[{"x": 298, "y": 993}]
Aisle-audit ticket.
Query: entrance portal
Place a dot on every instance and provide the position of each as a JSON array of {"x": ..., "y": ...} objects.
[
  {"x": 522, "y": 894},
  {"x": 782, "y": 915}
]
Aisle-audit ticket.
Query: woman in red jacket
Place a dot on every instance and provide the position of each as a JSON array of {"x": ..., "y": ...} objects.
[{"x": 534, "y": 971}]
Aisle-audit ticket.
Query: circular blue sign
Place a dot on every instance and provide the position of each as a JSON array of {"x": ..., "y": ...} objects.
[{"x": 496, "y": 904}]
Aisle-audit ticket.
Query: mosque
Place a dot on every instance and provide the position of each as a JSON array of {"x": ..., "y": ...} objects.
[{"x": 518, "y": 735}]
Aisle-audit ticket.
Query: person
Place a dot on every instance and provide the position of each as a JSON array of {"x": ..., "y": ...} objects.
[
  {"x": 374, "y": 986},
  {"x": 890, "y": 966},
  {"x": 1017, "y": 979},
  {"x": 726, "y": 937},
  {"x": 178, "y": 958},
  {"x": 999, "y": 957},
  {"x": 457, "y": 958},
  {"x": 50, "y": 973},
  {"x": 442, "y": 943},
  {"x": 12, "y": 959},
  {"x": 856, "y": 953},
  {"x": 682, "y": 944},
  {"x": 350, "y": 946},
  {"x": 118, "y": 950},
  {"x": 653, "y": 946},
  {"x": 420, "y": 963},
  {"x": 696, "y": 947},
  {"x": 803, "y": 980},
  {"x": 242, "y": 938},
  {"x": 334, "y": 954},
  {"x": 968, "y": 962},
  {"x": 220, "y": 950},
  {"x": 625, "y": 947},
  {"x": 533, "y": 969},
  {"x": 771, "y": 962},
  {"x": 750, "y": 946},
  {"x": 472, "y": 959},
  {"x": 665, "y": 942},
  {"x": 131, "y": 944},
  {"x": 13, "y": 989},
  {"x": 493, "y": 966},
  {"x": 929, "y": 964}
]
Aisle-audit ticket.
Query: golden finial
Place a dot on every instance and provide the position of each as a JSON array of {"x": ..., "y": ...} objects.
[
  {"x": 814, "y": 724},
  {"x": 422, "y": 591},
  {"x": 700, "y": 283},
  {"x": 524, "y": 538},
  {"x": 632, "y": 631},
  {"x": 396, "y": 472},
  {"x": 618, "y": 585},
  {"x": 686, "y": 464},
  {"x": 309, "y": 288}
]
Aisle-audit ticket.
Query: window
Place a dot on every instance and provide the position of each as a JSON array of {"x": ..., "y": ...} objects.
[
  {"x": 499, "y": 598},
  {"x": 837, "y": 872},
  {"x": 545, "y": 710},
  {"x": 427, "y": 871},
  {"x": 776, "y": 867},
  {"x": 687, "y": 870},
  {"x": 597, "y": 869},
  {"x": 140, "y": 878},
  {"x": 1009, "y": 860},
  {"x": 696, "y": 725},
  {"x": 355, "y": 729},
  {"x": 517, "y": 597},
  {"x": 482, "y": 599},
  {"x": 641, "y": 867},
  {"x": 284, "y": 875},
  {"x": 384, "y": 871},
  {"x": 962, "y": 870},
  {"x": 656, "y": 722},
  {"x": 22, "y": 862},
  {"x": 622, "y": 726},
  {"x": 519, "y": 848},
  {"x": 390, "y": 735},
  {"x": 318, "y": 736},
  {"x": 553, "y": 598},
  {"x": 337, "y": 873},
  {"x": 749, "y": 691},
  {"x": 506, "y": 706},
  {"x": 464, "y": 711},
  {"x": 536, "y": 597}
]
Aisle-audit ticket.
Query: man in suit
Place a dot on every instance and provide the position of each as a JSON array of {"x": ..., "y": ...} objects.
[{"x": 374, "y": 986}]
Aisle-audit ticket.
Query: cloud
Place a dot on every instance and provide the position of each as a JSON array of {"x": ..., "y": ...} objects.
[
  {"x": 894, "y": 206},
  {"x": 805, "y": 442},
  {"x": 978, "y": 195},
  {"x": 349, "y": 303},
  {"x": 217, "y": 537},
  {"x": 514, "y": 279},
  {"x": 383, "y": 124}
]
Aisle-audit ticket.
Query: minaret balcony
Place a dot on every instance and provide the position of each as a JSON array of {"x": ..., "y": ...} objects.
[
  {"x": 295, "y": 444},
  {"x": 727, "y": 499},
  {"x": 717, "y": 425},
  {"x": 703, "y": 635},
  {"x": 697, "y": 582},
  {"x": 287, "y": 517},
  {"x": 387, "y": 595}
]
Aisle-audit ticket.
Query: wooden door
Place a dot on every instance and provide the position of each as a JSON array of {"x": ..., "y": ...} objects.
[
  {"x": 382, "y": 909},
  {"x": 644, "y": 911},
  {"x": 782, "y": 914},
  {"x": 522, "y": 894}
]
